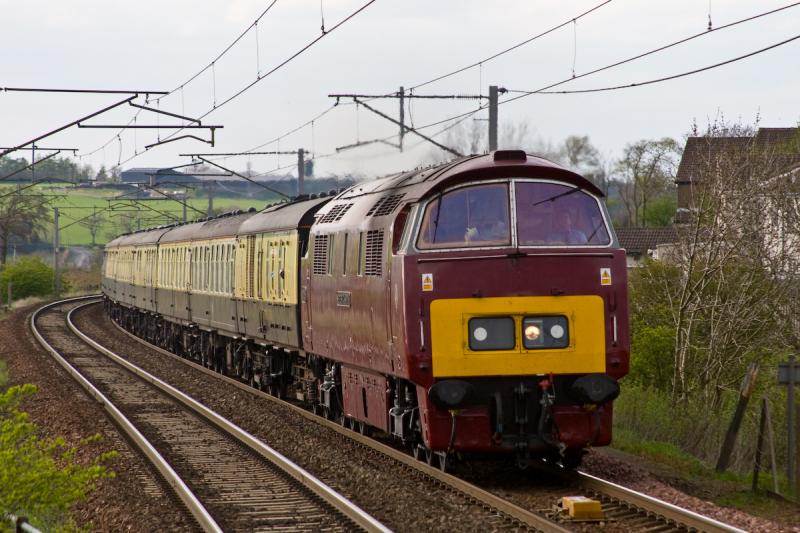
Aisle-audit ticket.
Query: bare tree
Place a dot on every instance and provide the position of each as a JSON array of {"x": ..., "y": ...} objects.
[
  {"x": 579, "y": 154},
  {"x": 735, "y": 261},
  {"x": 93, "y": 223}
]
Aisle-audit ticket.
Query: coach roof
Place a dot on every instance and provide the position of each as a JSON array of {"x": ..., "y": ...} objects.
[
  {"x": 286, "y": 216},
  {"x": 223, "y": 226},
  {"x": 139, "y": 238}
]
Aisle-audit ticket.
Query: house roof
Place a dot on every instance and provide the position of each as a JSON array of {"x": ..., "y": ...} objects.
[
  {"x": 637, "y": 241},
  {"x": 700, "y": 150}
]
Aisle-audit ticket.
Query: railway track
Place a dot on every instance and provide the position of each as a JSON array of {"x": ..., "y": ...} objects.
[
  {"x": 619, "y": 501},
  {"x": 226, "y": 479},
  {"x": 621, "y": 505}
]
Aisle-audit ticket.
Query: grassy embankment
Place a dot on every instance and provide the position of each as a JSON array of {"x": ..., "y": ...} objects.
[
  {"x": 80, "y": 203},
  {"x": 681, "y": 446}
]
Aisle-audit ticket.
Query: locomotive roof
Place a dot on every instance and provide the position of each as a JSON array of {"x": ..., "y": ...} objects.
[
  {"x": 379, "y": 197},
  {"x": 284, "y": 216},
  {"x": 418, "y": 183}
]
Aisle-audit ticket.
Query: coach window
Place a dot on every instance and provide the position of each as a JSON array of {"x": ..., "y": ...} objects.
[
  {"x": 212, "y": 269},
  {"x": 282, "y": 270},
  {"x": 207, "y": 268},
  {"x": 260, "y": 271},
  {"x": 272, "y": 268},
  {"x": 467, "y": 217},
  {"x": 223, "y": 267},
  {"x": 218, "y": 269}
]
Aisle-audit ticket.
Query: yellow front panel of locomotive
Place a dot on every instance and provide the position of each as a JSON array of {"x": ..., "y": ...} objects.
[{"x": 452, "y": 356}]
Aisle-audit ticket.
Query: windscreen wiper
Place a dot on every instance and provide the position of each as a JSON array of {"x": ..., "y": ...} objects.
[{"x": 556, "y": 197}]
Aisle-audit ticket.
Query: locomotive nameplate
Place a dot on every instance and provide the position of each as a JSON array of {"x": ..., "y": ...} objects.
[{"x": 343, "y": 298}]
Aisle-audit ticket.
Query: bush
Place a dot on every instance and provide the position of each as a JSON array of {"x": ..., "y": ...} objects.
[
  {"x": 40, "y": 478},
  {"x": 29, "y": 276}
]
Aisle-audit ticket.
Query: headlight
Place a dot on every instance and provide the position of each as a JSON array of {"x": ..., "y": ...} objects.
[
  {"x": 491, "y": 333},
  {"x": 545, "y": 332},
  {"x": 533, "y": 332}
]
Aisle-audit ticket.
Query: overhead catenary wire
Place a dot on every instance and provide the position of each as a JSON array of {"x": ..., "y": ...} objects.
[
  {"x": 513, "y": 47},
  {"x": 615, "y": 64},
  {"x": 573, "y": 20},
  {"x": 276, "y": 68},
  {"x": 193, "y": 77},
  {"x": 447, "y": 75},
  {"x": 227, "y": 48},
  {"x": 661, "y": 79}
]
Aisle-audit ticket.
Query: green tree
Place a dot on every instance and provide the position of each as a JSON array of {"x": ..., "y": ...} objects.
[
  {"x": 40, "y": 478},
  {"x": 661, "y": 210},
  {"x": 102, "y": 174},
  {"x": 23, "y": 216},
  {"x": 646, "y": 171}
]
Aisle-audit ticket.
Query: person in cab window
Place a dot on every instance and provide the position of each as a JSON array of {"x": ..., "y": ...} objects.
[
  {"x": 563, "y": 231},
  {"x": 487, "y": 224}
]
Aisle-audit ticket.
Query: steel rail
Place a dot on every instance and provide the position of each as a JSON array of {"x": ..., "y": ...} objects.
[
  {"x": 512, "y": 510},
  {"x": 198, "y": 511},
  {"x": 666, "y": 510},
  {"x": 305, "y": 478}
]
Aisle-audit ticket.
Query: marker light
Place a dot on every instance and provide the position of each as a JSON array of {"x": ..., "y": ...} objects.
[{"x": 557, "y": 331}]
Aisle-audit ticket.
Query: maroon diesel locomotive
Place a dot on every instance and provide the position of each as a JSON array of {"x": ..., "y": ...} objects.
[{"x": 479, "y": 306}]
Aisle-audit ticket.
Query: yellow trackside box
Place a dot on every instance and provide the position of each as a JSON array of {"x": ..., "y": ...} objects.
[{"x": 582, "y": 508}]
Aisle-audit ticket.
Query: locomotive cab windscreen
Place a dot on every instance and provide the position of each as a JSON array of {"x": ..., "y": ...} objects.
[{"x": 519, "y": 212}]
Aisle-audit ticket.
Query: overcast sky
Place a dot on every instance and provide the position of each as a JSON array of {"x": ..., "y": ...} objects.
[{"x": 158, "y": 45}]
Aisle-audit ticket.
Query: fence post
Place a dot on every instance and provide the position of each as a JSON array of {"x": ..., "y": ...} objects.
[
  {"x": 733, "y": 430},
  {"x": 759, "y": 445}
]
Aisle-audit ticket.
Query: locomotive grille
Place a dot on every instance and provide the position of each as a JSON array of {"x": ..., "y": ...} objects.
[
  {"x": 373, "y": 255},
  {"x": 321, "y": 254},
  {"x": 335, "y": 214},
  {"x": 385, "y": 205}
]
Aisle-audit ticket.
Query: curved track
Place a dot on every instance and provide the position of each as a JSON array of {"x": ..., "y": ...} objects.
[
  {"x": 620, "y": 504},
  {"x": 226, "y": 478}
]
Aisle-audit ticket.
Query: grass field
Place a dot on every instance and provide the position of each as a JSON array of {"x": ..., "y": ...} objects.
[{"x": 77, "y": 204}]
